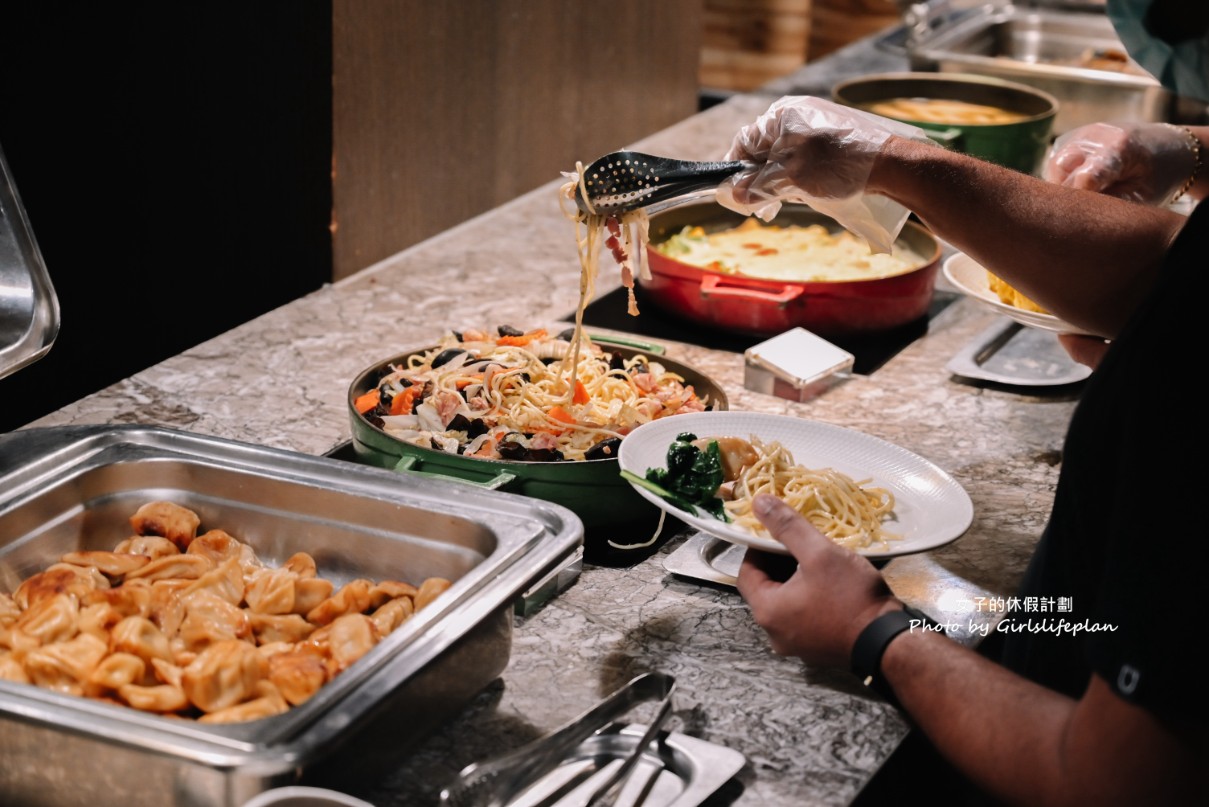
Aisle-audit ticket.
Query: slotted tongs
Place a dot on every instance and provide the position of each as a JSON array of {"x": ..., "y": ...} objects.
[
  {"x": 627, "y": 180},
  {"x": 497, "y": 781}
]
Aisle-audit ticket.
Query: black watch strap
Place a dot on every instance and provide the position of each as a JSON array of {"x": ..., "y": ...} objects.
[{"x": 876, "y": 637}]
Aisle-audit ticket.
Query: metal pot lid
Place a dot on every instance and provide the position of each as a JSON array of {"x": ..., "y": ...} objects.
[{"x": 29, "y": 308}]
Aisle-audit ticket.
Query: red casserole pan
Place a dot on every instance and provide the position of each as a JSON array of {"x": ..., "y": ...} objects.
[{"x": 766, "y": 307}]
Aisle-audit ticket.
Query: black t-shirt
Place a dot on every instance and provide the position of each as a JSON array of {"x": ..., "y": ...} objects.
[{"x": 1122, "y": 556}]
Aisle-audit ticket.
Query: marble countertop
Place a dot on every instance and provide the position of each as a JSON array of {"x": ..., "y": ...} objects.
[{"x": 810, "y": 737}]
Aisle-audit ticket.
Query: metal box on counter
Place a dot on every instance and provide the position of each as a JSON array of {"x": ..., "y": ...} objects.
[
  {"x": 71, "y": 489},
  {"x": 796, "y": 365},
  {"x": 1075, "y": 55}
]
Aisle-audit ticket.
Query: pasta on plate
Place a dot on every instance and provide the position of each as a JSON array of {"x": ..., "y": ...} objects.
[{"x": 850, "y": 512}]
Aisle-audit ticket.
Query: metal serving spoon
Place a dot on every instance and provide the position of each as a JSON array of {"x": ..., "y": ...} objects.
[{"x": 628, "y": 180}]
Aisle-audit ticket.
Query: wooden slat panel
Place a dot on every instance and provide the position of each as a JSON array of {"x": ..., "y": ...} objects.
[
  {"x": 837, "y": 23},
  {"x": 446, "y": 109},
  {"x": 747, "y": 43}
]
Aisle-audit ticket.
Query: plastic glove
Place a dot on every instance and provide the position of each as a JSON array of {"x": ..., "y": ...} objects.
[
  {"x": 1141, "y": 162},
  {"x": 811, "y": 151}
]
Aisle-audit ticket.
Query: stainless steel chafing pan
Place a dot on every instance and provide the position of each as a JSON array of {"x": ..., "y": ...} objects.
[
  {"x": 75, "y": 488},
  {"x": 1052, "y": 50}
]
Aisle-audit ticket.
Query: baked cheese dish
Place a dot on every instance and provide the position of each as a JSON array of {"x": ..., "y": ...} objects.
[{"x": 795, "y": 253}]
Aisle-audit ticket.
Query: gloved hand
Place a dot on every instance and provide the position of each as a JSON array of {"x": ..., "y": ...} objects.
[
  {"x": 812, "y": 151},
  {"x": 1141, "y": 162}
]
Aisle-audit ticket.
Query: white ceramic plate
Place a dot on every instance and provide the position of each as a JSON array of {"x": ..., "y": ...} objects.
[
  {"x": 302, "y": 796},
  {"x": 931, "y": 508},
  {"x": 970, "y": 278}
]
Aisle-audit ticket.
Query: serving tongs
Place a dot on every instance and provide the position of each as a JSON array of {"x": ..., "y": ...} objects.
[
  {"x": 498, "y": 781},
  {"x": 628, "y": 180}
]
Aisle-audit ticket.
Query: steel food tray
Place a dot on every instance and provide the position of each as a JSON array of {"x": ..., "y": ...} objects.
[
  {"x": 75, "y": 488},
  {"x": 706, "y": 558},
  {"x": 29, "y": 308},
  {"x": 1010, "y": 353},
  {"x": 1044, "y": 48}
]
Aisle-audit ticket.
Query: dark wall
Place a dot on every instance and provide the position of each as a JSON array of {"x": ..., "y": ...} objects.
[{"x": 174, "y": 160}]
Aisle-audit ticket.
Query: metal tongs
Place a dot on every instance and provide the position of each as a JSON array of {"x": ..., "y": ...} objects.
[
  {"x": 497, "y": 781},
  {"x": 628, "y": 180}
]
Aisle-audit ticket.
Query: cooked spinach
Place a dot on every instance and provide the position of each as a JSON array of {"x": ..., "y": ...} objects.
[{"x": 690, "y": 480}]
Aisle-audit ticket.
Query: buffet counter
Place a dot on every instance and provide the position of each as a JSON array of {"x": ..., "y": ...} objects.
[{"x": 809, "y": 737}]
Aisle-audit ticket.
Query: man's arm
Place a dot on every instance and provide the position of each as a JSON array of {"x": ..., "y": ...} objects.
[
  {"x": 1017, "y": 740},
  {"x": 1086, "y": 257},
  {"x": 1030, "y": 745}
]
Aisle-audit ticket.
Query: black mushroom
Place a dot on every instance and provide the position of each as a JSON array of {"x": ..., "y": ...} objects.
[
  {"x": 604, "y": 450},
  {"x": 446, "y": 356}
]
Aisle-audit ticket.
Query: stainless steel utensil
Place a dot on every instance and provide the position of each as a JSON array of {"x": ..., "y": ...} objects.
[
  {"x": 606, "y": 794},
  {"x": 628, "y": 180},
  {"x": 495, "y": 782}
]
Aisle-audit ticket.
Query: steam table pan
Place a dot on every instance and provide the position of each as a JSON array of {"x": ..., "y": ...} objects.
[{"x": 65, "y": 489}]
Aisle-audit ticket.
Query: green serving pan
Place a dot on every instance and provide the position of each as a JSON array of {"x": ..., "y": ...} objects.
[
  {"x": 593, "y": 489},
  {"x": 1020, "y": 145}
]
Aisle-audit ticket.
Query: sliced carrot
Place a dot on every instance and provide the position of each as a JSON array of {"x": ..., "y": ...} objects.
[
  {"x": 402, "y": 403},
  {"x": 562, "y": 415},
  {"x": 523, "y": 339},
  {"x": 581, "y": 393},
  {"x": 368, "y": 401}
]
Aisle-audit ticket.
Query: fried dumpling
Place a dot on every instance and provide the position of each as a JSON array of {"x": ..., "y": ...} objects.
[
  {"x": 65, "y": 666},
  {"x": 116, "y": 671},
  {"x": 269, "y": 702},
  {"x": 298, "y": 674},
  {"x": 348, "y": 638},
  {"x": 352, "y": 598},
  {"x": 140, "y": 637},
  {"x": 168, "y": 520},
  {"x": 224, "y": 674},
  {"x": 430, "y": 589},
  {"x": 174, "y": 567},
  {"x": 110, "y": 564},
  {"x": 272, "y": 628},
  {"x": 53, "y": 619},
  {"x": 392, "y": 614},
  {"x": 61, "y": 578},
  {"x": 163, "y": 698},
  {"x": 153, "y": 546},
  {"x": 209, "y": 619},
  {"x": 271, "y": 591}
]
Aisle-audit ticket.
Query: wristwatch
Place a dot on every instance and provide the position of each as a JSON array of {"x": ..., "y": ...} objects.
[{"x": 876, "y": 637}]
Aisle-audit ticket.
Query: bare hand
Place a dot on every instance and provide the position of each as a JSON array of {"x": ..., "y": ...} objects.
[{"x": 816, "y": 611}]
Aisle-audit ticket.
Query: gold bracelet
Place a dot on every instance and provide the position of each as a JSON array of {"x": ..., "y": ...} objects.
[{"x": 1194, "y": 143}]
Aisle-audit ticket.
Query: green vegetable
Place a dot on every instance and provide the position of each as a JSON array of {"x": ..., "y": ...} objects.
[
  {"x": 681, "y": 243},
  {"x": 691, "y": 479}
]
